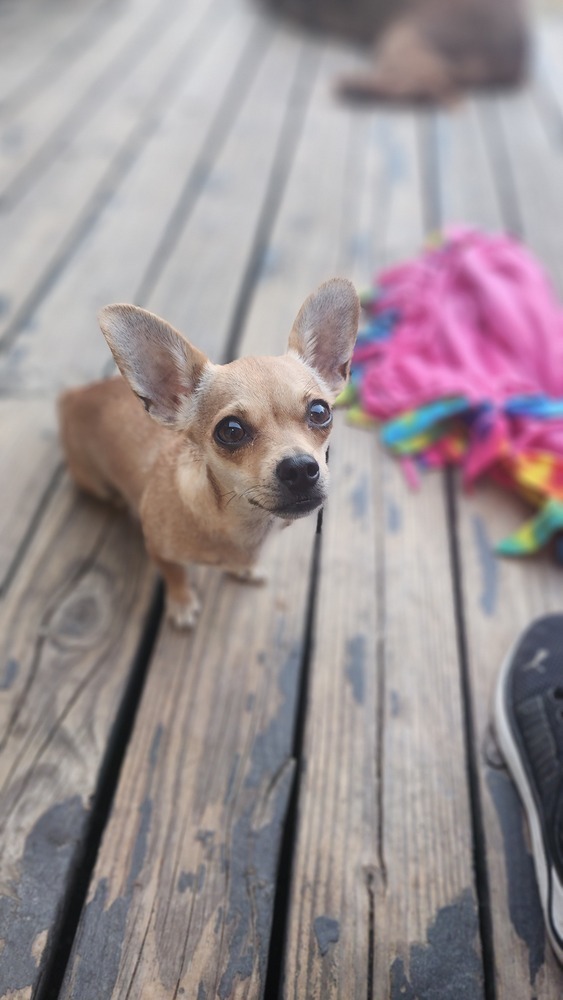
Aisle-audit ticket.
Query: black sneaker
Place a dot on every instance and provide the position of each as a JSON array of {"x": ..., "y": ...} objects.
[{"x": 529, "y": 727}]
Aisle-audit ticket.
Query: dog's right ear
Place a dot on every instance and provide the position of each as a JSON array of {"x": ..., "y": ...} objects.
[
  {"x": 325, "y": 330},
  {"x": 161, "y": 367}
]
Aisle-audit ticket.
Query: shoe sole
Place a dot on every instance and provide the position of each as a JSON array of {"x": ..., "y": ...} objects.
[{"x": 550, "y": 886}]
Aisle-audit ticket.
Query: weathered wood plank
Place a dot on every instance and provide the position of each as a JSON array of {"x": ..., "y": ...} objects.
[
  {"x": 536, "y": 178},
  {"x": 69, "y": 628},
  {"x": 462, "y": 154},
  {"x": 33, "y": 40},
  {"x": 383, "y": 869},
  {"x": 54, "y": 216},
  {"x": 500, "y": 597},
  {"x": 29, "y": 454},
  {"x": 241, "y": 185},
  {"x": 63, "y": 344},
  {"x": 198, "y": 918},
  {"x": 109, "y": 265},
  {"x": 195, "y": 894},
  {"x": 31, "y": 56},
  {"x": 63, "y": 106},
  {"x": 83, "y": 598}
]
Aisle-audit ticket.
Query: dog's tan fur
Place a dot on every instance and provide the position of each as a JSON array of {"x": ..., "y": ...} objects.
[{"x": 197, "y": 500}]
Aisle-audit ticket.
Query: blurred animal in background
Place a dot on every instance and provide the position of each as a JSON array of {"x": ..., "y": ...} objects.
[
  {"x": 424, "y": 50},
  {"x": 209, "y": 457},
  {"x": 439, "y": 48}
]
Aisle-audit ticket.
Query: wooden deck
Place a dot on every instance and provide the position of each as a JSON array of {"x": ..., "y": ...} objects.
[{"x": 302, "y": 799}]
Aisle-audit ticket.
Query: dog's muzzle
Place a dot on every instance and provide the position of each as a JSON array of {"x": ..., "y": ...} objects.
[{"x": 300, "y": 487}]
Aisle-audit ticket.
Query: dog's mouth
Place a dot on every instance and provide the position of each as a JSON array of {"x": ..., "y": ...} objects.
[
  {"x": 298, "y": 507},
  {"x": 288, "y": 507}
]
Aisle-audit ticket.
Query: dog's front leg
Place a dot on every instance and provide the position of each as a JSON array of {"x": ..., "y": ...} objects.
[{"x": 182, "y": 603}]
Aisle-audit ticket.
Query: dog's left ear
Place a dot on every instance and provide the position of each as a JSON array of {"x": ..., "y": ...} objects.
[{"x": 325, "y": 331}]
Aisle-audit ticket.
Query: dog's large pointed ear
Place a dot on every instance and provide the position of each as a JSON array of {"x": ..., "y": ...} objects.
[
  {"x": 325, "y": 331},
  {"x": 161, "y": 367}
]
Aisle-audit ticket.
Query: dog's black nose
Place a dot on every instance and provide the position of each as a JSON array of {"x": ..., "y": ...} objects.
[{"x": 298, "y": 473}]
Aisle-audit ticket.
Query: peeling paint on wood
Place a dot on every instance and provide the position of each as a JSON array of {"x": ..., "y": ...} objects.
[
  {"x": 267, "y": 744},
  {"x": 327, "y": 932},
  {"x": 356, "y": 666},
  {"x": 252, "y": 885},
  {"x": 394, "y": 516},
  {"x": 27, "y": 913},
  {"x": 155, "y": 745},
  {"x": 523, "y": 896},
  {"x": 9, "y": 674},
  {"x": 192, "y": 880},
  {"x": 448, "y": 965},
  {"x": 359, "y": 499},
  {"x": 100, "y": 939}
]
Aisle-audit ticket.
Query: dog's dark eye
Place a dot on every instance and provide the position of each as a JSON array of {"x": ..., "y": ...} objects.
[
  {"x": 231, "y": 432},
  {"x": 319, "y": 413}
]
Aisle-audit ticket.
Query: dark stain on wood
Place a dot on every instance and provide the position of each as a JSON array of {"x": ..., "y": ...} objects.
[
  {"x": 356, "y": 666},
  {"x": 359, "y": 499},
  {"x": 30, "y": 909},
  {"x": 192, "y": 880},
  {"x": 278, "y": 733},
  {"x": 327, "y": 932},
  {"x": 205, "y": 837},
  {"x": 395, "y": 703},
  {"x": 201, "y": 992},
  {"x": 140, "y": 845},
  {"x": 231, "y": 779},
  {"x": 523, "y": 897},
  {"x": 253, "y": 868},
  {"x": 489, "y": 567},
  {"x": 10, "y": 673},
  {"x": 448, "y": 966},
  {"x": 155, "y": 745},
  {"x": 255, "y": 843},
  {"x": 394, "y": 517},
  {"x": 103, "y": 928}
]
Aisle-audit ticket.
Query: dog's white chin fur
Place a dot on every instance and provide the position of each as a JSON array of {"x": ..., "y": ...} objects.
[{"x": 295, "y": 513}]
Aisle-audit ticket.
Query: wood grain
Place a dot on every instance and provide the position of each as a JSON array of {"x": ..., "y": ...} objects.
[
  {"x": 43, "y": 795},
  {"x": 29, "y": 454},
  {"x": 110, "y": 264},
  {"x": 36, "y": 44},
  {"x": 69, "y": 629},
  {"x": 64, "y": 344},
  {"x": 41, "y": 231},
  {"x": 383, "y": 869},
  {"x": 63, "y": 104},
  {"x": 240, "y": 184},
  {"x": 198, "y": 917},
  {"x": 500, "y": 596}
]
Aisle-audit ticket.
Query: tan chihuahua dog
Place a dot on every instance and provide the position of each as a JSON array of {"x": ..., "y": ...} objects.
[{"x": 222, "y": 451}]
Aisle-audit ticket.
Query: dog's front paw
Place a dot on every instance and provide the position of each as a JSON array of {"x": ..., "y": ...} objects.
[
  {"x": 249, "y": 574},
  {"x": 183, "y": 614}
]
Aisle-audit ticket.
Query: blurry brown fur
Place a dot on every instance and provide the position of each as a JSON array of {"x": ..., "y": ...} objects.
[
  {"x": 439, "y": 48},
  {"x": 213, "y": 455}
]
